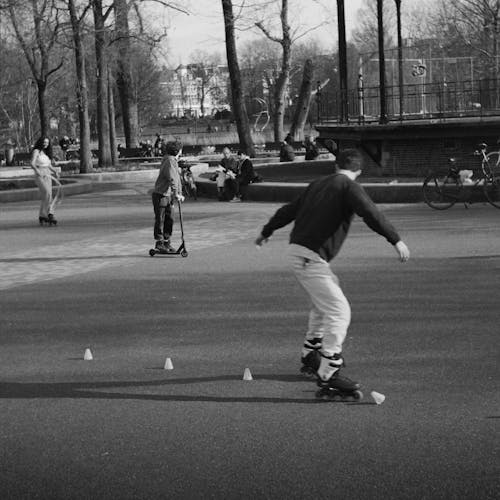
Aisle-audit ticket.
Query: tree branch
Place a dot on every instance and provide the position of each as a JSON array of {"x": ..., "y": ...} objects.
[
  {"x": 267, "y": 33},
  {"x": 170, "y": 5}
]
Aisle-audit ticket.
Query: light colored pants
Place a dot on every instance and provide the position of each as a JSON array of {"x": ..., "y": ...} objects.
[
  {"x": 330, "y": 313},
  {"x": 47, "y": 203}
]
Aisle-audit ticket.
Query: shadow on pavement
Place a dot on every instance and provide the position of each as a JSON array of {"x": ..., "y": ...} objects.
[
  {"x": 94, "y": 390},
  {"x": 81, "y": 257}
]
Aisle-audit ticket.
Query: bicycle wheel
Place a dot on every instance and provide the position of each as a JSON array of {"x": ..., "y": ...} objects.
[
  {"x": 441, "y": 193},
  {"x": 491, "y": 185}
]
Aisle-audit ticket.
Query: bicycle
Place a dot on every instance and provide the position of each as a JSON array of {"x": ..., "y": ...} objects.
[
  {"x": 443, "y": 191},
  {"x": 189, "y": 189}
]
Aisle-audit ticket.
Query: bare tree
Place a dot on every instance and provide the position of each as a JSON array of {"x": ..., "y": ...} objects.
[
  {"x": 101, "y": 40},
  {"x": 286, "y": 39},
  {"x": 282, "y": 78},
  {"x": 127, "y": 87},
  {"x": 36, "y": 25},
  {"x": 239, "y": 108},
  {"x": 476, "y": 26},
  {"x": 77, "y": 19},
  {"x": 303, "y": 101}
]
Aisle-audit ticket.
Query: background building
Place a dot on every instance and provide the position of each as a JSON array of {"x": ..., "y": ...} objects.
[{"x": 196, "y": 90}]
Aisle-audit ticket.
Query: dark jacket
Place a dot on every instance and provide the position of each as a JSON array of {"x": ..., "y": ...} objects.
[
  {"x": 247, "y": 172},
  {"x": 286, "y": 152},
  {"x": 323, "y": 214},
  {"x": 229, "y": 164},
  {"x": 312, "y": 151}
]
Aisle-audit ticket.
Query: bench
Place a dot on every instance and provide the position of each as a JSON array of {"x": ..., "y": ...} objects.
[
  {"x": 130, "y": 152},
  {"x": 22, "y": 158}
]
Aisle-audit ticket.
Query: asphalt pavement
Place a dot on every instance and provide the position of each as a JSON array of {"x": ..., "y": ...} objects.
[{"x": 120, "y": 426}]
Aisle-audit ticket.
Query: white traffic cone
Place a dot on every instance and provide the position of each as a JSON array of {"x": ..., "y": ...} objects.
[
  {"x": 88, "y": 355},
  {"x": 168, "y": 364},
  {"x": 247, "y": 375},
  {"x": 377, "y": 397}
]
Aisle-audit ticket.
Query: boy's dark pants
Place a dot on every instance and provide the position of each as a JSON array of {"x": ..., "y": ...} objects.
[{"x": 164, "y": 221}]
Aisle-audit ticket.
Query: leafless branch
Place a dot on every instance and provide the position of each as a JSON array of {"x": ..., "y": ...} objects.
[
  {"x": 170, "y": 5},
  {"x": 266, "y": 32}
]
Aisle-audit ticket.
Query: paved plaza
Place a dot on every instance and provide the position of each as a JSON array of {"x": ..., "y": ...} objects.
[{"x": 120, "y": 426}]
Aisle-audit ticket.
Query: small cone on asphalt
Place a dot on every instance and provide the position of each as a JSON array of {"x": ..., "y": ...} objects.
[
  {"x": 377, "y": 397},
  {"x": 168, "y": 364},
  {"x": 88, "y": 355},
  {"x": 247, "y": 375}
]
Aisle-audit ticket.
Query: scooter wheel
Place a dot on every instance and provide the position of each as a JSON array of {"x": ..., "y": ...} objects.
[
  {"x": 152, "y": 253},
  {"x": 184, "y": 253}
]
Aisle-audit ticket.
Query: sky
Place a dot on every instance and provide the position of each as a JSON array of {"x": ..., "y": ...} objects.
[{"x": 203, "y": 28}]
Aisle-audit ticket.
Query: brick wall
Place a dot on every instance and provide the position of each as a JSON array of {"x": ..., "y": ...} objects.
[{"x": 408, "y": 151}]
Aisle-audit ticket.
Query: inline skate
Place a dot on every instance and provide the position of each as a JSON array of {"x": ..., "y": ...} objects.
[
  {"x": 339, "y": 388},
  {"x": 49, "y": 220}
]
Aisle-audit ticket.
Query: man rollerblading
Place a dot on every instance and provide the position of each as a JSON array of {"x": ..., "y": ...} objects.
[{"x": 322, "y": 216}]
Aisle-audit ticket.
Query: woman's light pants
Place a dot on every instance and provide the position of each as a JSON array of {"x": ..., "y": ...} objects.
[
  {"x": 47, "y": 203},
  {"x": 330, "y": 314}
]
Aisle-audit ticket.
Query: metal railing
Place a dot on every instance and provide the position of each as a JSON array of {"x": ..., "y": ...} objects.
[{"x": 419, "y": 101}]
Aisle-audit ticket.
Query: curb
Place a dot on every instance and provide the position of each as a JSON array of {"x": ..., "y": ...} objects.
[
  {"x": 266, "y": 191},
  {"x": 71, "y": 188},
  {"x": 286, "y": 192}
]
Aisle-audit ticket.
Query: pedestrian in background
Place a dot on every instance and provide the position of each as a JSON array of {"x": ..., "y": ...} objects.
[
  {"x": 246, "y": 174},
  {"x": 64, "y": 145},
  {"x": 230, "y": 166},
  {"x": 158, "y": 145},
  {"x": 286, "y": 151},
  {"x": 312, "y": 151},
  {"x": 45, "y": 170},
  {"x": 322, "y": 215}
]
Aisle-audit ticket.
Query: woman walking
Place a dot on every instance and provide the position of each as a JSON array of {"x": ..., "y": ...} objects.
[{"x": 45, "y": 171}]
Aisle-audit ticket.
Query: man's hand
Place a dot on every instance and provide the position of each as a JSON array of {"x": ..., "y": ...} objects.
[
  {"x": 260, "y": 240},
  {"x": 180, "y": 198},
  {"x": 403, "y": 251}
]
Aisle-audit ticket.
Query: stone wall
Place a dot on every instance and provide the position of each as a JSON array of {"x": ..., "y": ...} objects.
[{"x": 411, "y": 150}]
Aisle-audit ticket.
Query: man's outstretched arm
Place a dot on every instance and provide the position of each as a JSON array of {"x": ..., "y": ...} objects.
[{"x": 281, "y": 218}]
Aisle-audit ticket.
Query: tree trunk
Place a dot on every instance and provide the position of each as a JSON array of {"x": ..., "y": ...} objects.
[
  {"x": 303, "y": 102},
  {"x": 44, "y": 121},
  {"x": 81, "y": 91},
  {"x": 124, "y": 79},
  {"x": 111, "y": 117},
  {"x": 102, "y": 86},
  {"x": 239, "y": 108},
  {"x": 281, "y": 83},
  {"x": 279, "y": 107}
]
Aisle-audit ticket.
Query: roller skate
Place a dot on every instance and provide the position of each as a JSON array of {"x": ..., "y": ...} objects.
[
  {"x": 339, "y": 388},
  {"x": 49, "y": 221},
  {"x": 334, "y": 387},
  {"x": 311, "y": 357}
]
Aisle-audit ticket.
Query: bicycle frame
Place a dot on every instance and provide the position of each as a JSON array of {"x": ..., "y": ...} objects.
[{"x": 442, "y": 192}]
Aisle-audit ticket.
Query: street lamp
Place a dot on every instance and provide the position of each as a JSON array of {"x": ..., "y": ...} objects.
[
  {"x": 383, "y": 105},
  {"x": 344, "y": 112},
  {"x": 318, "y": 100},
  {"x": 400, "y": 59}
]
